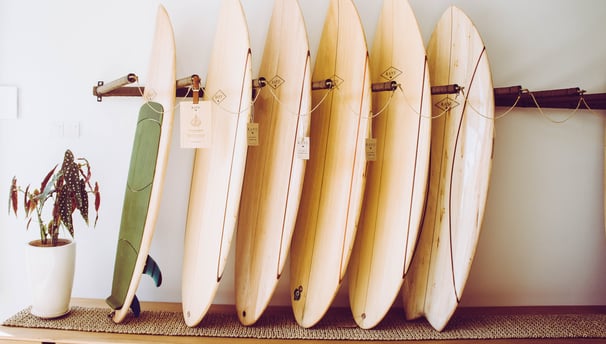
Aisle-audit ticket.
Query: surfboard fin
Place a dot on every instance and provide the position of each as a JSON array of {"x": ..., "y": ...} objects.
[
  {"x": 153, "y": 270},
  {"x": 135, "y": 306}
]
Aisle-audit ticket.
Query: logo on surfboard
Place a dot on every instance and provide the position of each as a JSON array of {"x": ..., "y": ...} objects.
[
  {"x": 391, "y": 73},
  {"x": 297, "y": 293},
  {"x": 219, "y": 97},
  {"x": 276, "y": 82},
  {"x": 337, "y": 81},
  {"x": 446, "y": 104}
]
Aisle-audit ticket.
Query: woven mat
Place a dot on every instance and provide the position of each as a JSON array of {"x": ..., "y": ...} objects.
[{"x": 336, "y": 325}]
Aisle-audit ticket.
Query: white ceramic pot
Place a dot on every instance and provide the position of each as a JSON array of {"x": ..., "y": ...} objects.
[{"x": 51, "y": 275}]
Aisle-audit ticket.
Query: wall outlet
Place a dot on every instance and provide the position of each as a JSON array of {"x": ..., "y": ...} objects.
[
  {"x": 66, "y": 129},
  {"x": 71, "y": 129}
]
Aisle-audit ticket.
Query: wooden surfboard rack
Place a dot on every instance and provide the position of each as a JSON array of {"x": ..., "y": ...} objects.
[
  {"x": 118, "y": 88},
  {"x": 566, "y": 98}
]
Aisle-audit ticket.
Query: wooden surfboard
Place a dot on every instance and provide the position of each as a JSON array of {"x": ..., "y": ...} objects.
[
  {"x": 396, "y": 184},
  {"x": 218, "y": 170},
  {"x": 273, "y": 179},
  {"x": 461, "y": 159},
  {"x": 146, "y": 174},
  {"x": 334, "y": 177}
]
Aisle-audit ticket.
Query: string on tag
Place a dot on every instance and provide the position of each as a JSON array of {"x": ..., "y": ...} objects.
[
  {"x": 415, "y": 111},
  {"x": 302, "y": 141},
  {"x": 372, "y": 116},
  {"x": 587, "y": 106},
  {"x": 447, "y": 108},
  {"x": 479, "y": 113},
  {"x": 152, "y": 94},
  {"x": 510, "y": 108},
  {"x": 536, "y": 103},
  {"x": 299, "y": 113},
  {"x": 354, "y": 111},
  {"x": 237, "y": 113}
]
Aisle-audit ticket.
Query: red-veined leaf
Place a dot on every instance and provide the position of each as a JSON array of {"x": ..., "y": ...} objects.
[
  {"x": 97, "y": 196},
  {"x": 13, "y": 196},
  {"x": 47, "y": 178}
]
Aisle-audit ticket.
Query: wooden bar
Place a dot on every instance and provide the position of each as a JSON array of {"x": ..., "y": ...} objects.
[
  {"x": 322, "y": 85},
  {"x": 565, "y": 98},
  {"x": 104, "y": 88},
  {"x": 384, "y": 86}
]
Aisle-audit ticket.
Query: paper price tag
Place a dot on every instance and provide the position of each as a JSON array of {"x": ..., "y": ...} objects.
[
  {"x": 371, "y": 149},
  {"x": 252, "y": 134},
  {"x": 196, "y": 124},
  {"x": 302, "y": 149}
]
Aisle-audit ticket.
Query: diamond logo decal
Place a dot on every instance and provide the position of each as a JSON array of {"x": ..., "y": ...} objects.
[
  {"x": 276, "y": 82},
  {"x": 219, "y": 97},
  {"x": 446, "y": 104},
  {"x": 391, "y": 73},
  {"x": 336, "y": 80}
]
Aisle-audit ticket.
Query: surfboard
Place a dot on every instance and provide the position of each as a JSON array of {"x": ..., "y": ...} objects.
[
  {"x": 218, "y": 170},
  {"x": 273, "y": 178},
  {"x": 146, "y": 174},
  {"x": 396, "y": 181},
  {"x": 335, "y": 174},
  {"x": 461, "y": 159}
]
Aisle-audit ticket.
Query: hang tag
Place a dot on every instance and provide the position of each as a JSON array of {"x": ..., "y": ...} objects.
[
  {"x": 196, "y": 124},
  {"x": 302, "y": 149},
  {"x": 371, "y": 149},
  {"x": 252, "y": 133}
]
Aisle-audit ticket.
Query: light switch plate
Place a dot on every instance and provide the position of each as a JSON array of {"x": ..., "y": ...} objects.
[{"x": 8, "y": 102}]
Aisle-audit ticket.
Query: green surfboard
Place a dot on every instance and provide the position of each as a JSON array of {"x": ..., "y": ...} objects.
[
  {"x": 146, "y": 174},
  {"x": 136, "y": 204}
]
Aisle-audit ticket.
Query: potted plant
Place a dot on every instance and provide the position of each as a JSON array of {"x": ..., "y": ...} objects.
[{"x": 51, "y": 259}]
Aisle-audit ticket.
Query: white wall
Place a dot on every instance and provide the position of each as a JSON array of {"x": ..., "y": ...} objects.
[{"x": 543, "y": 240}]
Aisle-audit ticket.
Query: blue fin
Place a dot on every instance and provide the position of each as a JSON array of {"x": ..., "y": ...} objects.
[
  {"x": 135, "y": 306},
  {"x": 153, "y": 270}
]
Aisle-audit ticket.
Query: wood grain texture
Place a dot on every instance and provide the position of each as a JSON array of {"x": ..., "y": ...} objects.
[
  {"x": 397, "y": 181},
  {"x": 273, "y": 179},
  {"x": 335, "y": 174},
  {"x": 160, "y": 88},
  {"x": 461, "y": 158},
  {"x": 218, "y": 171}
]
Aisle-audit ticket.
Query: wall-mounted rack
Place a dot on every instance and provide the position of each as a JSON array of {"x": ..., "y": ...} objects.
[
  {"x": 118, "y": 88},
  {"x": 568, "y": 98}
]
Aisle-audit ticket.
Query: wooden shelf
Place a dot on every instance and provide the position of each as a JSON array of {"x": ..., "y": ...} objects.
[{"x": 29, "y": 335}]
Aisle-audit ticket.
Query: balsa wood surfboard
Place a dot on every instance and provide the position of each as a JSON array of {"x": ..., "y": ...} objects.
[
  {"x": 461, "y": 159},
  {"x": 335, "y": 173},
  {"x": 146, "y": 174},
  {"x": 273, "y": 179},
  {"x": 396, "y": 182},
  {"x": 218, "y": 170}
]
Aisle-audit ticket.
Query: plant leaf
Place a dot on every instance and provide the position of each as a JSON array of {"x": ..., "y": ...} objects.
[
  {"x": 47, "y": 178},
  {"x": 32, "y": 201},
  {"x": 82, "y": 201},
  {"x": 13, "y": 196},
  {"x": 97, "y": 197}
]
